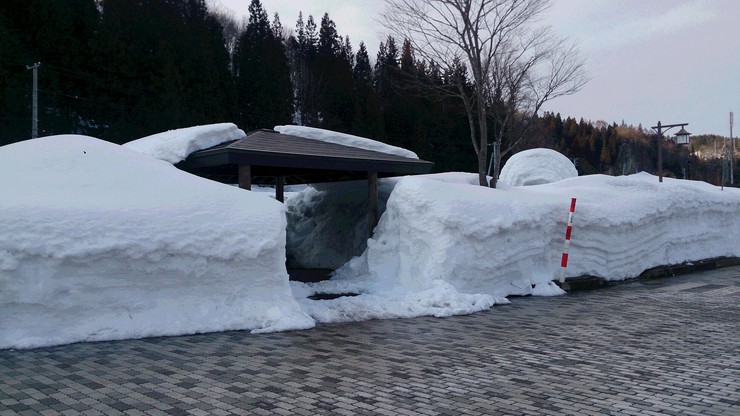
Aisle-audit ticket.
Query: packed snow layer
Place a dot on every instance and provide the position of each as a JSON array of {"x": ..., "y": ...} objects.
[
  {"x": 174, "y": 146},
  {"x": 98, "y": 242},
  {"x": 509, "y": 241},
  {"x": 536, "y": 167},
  {"x": 344, "y": 139}
]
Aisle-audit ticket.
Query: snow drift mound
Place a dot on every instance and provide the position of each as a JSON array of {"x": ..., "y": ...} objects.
[
  {"x": 508, "y": 241},
  {"x": 174, "y": 146},
  {"x": 536, "y": 167},
  {"x": 98, "y": 242}
]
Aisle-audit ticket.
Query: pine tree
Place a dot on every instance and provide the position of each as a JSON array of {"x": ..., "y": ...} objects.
[
  {"x": 304, "y": 72},
  {"x": 368, "y": 119},
  {"x": 262, "y": 73},
  {"x": 334, "y": 72}
]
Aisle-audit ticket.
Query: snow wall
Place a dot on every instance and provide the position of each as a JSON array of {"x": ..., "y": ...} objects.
[
  {"x": 98, "y": 242},
  {"x": 508, "y": 241}
]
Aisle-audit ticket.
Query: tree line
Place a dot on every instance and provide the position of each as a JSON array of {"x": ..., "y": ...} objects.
[
  {"x": 120, "y": 70},
  {"x": 621, "y": 149}
]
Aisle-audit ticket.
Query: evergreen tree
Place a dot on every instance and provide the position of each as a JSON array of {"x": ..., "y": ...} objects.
[
  {"x": 304, "y": 72},
  {"x": 15, "y": 97},
  {"x": 367, "y": 120},
  {"x": 334, "y": 71},
  {"x": 328, "y": 37},
  {"x": 262, "y": 75}
]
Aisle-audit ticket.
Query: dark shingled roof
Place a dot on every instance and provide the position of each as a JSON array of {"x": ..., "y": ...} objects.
[{"x": 299, "y": 159}]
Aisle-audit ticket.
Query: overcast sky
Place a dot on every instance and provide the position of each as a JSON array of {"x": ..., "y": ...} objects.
[{"x": 674, "y": 61}]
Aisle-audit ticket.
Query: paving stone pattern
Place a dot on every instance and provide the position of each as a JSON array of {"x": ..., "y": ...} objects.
[{"x": 660, "y": 347}]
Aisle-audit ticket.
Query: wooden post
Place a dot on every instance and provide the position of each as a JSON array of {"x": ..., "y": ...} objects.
[
  {"x": 372, "y": 214},
  {"x": 280, "y": 188},
  {"x": 245, "y": 177}
]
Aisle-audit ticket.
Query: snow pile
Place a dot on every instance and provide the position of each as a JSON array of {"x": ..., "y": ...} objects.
[
  {"x": 175, "y": 145},
  {"x": 344, "y": 139},
  {"x": 502, "y": 242},
  {"x": 98, "y": 242},
  {"x": 536, "y": 167},
  {"x": 440, "y": 299},
  {"x": 327, "y": 223}
]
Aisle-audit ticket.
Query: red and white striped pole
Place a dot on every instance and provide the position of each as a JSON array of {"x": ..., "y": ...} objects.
[{"x": 568, "y": 230}]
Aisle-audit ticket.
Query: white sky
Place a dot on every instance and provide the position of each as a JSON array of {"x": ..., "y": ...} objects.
[{"x": 674, "y": 61}]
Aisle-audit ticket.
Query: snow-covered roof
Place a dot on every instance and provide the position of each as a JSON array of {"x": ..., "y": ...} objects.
[
  {"x": 345, "y": 140},
  {"x": 299, "y": 159},
  {"x": 175, "y": 145}
]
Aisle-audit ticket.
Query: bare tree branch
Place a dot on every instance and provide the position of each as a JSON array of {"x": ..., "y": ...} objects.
[{"x": 513, "y": 66}]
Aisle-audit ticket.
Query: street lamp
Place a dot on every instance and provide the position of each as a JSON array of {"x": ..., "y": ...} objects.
[
  {"x": 682, "y": 137},
  {"x": 660, "y": 129}
]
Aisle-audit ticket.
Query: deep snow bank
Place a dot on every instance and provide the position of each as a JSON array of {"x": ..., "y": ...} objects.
[
  {"x": 536, "y": 167},
  {"x": 344, "y": 139},
  {"x": 503, "y": 241},
  {"x": 175, "y": 145},
  {"x": 98, "y": 242}
]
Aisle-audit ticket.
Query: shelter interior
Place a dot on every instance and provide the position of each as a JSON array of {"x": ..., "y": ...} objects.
[{"x": 266, "y": 157}]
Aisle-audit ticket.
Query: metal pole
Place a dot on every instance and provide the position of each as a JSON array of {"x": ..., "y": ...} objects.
[
  {"x": 566, "y": 245},
  {"x": 494, "y": 149},
  {"x": 660, "y": 153},
  {"x": 35, "y": 107},
  {"x": 732, "y": 154},
  {"x": 490, "y": 163}
]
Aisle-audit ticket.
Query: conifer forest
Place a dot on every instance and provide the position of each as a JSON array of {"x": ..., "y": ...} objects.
[{"x": 119, "y": 70}]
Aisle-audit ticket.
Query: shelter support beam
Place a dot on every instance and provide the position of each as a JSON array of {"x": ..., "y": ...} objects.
[
  {"x": 245, "y": 177},
  {"x": 372, "y": 214},
  {"x": 280, "y": 188}
]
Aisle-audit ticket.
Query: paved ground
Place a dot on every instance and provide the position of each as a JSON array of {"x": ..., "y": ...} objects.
[{"x": 661, "y": 347}]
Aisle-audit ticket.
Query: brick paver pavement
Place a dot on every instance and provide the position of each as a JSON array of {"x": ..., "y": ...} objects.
[{"x": 660, "y": 347}]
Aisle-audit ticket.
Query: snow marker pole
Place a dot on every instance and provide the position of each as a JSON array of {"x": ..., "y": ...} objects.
[{"x": 568, "y": 230}]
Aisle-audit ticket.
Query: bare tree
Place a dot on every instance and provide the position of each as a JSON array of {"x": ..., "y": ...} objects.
[{"x": 509, "y": 68}]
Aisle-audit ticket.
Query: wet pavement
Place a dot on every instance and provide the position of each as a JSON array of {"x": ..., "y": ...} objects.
[{"x": 655, "y": 347}]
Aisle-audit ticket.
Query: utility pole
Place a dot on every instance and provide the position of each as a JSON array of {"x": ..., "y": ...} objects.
[
  {"x": 732, "y": 150},
  {"x": 35, "y": 108},
  {"x": 659, "y": 129}
]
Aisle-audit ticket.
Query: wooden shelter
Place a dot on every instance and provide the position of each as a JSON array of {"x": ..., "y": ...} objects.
[{"x": 266, "y": 157}]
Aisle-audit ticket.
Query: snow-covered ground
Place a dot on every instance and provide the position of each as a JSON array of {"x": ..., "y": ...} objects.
[{"x": 99, "y": 242}]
